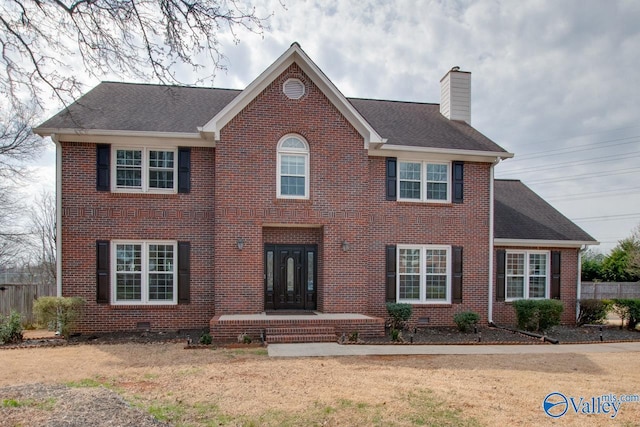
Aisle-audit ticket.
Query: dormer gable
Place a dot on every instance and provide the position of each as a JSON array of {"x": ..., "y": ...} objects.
[{"x": 295, "y": 54}]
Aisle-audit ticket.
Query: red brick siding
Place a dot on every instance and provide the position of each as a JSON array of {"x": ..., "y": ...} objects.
[
  {"x": 89, "y": 215},
  {"x": 503, "y": 312}
]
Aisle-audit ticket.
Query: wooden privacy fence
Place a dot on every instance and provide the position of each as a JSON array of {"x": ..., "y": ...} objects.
[
  {"x": 21, "y": 297},
  {"x": 609, "y": 290}
]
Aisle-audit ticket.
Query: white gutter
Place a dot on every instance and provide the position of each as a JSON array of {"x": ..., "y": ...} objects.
[
  {"x": 544, "y": 243},
  {"x": 54, "y": 138},
  {"x": 491, "y": 220},
  {"x": 385, "y": 149}
]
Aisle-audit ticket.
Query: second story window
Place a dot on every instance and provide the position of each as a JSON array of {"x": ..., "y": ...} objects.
[
  {"x": 144, "y": 170},
  {"x": 424, "y": 181},
  {"x": 293, "y": 168}
]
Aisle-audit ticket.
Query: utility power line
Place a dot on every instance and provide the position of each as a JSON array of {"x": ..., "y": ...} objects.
[
  {"x": 586, "y": 176},
  {"x": 602, "y": 159},
  {"x": 576, "y": 149}
]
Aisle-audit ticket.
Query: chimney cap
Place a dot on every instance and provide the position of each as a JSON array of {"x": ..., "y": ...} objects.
[{"x": 455, "y": 68}]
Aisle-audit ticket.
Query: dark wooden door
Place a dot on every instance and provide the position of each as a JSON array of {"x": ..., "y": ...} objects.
[{"x": 290, "y": 277}]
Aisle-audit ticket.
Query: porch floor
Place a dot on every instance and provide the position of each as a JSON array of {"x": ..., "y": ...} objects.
[{"x": 295, "y": 328}]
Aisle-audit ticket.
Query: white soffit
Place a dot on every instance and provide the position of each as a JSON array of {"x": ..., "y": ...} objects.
[{"x": 294, "y": 54}]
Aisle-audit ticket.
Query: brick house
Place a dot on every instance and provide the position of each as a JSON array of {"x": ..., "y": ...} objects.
[{"x": 185, "y": 207}]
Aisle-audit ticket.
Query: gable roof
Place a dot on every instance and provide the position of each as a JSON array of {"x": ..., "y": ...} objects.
[
  {"x": 155, "y": 111},
  {"x": 294, "y": 54},
  {"x": 520, "y": 215}
]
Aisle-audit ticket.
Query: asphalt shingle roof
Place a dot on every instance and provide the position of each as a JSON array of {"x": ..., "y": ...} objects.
[
  {"x": 157, "y": 108},
  {"x": 522, "y": 214}
]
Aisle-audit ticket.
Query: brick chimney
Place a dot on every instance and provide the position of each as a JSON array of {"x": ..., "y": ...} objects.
[{"x": 455, "y": 95}]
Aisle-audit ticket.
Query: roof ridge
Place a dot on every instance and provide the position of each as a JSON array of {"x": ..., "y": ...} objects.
[
  {"x": 160, "y": 85},
  {"x": 392, "y": 100}
]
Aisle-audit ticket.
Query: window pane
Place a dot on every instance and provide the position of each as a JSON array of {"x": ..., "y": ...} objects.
[
  {"x": 515, "y": 264},
  {"x": 160, "y": 287},
  {"x": 436, "y": 287},
  {"x": 409, "y": 261},
  {"x": 128, "y": 286},
  {"x": 515, "y": 287},
  {"x": 270, "y": 270},
  {"x": 409, "y": 190},
  {"x": 410, "y": 287},
  {"x": 290, "y": 273},
  {"x": 294, "y": 143},
  {"x": 437, "y": 177},
  {"x": 292, "y": 186},
  {"x": 161, "y": 258},
  {"x": 537, "y": 287},
  {"x": 128, "y": 257},
  {"x": 436, "y": 261},
  {"x": 538, "y": 264},
  {"x": 161, "y": 159},
  {"x": 438, "y": 173},
  {"x": 292, "y": 165},
  {"x": 161, "y": 169},
  {"x": 410, "y": 180},
  {"x": 129, "y": 168},
  {"x": 310, "y": 272},
  {"x": 436, "y": 191}
]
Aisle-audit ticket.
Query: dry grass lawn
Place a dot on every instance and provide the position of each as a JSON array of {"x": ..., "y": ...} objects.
[{"x": 246, "y": 387}]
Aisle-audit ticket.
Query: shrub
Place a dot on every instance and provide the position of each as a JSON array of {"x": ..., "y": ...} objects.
[
  {"x": 11, "y": 328},
  {"x": 205, "y": 339},
  {"x": 399, "y": 314},
  {"x": 628, "y": 308},
  {"x": 466, "y": 319},
  {"x": 593, "y": 311},
  {"x": 537, "y": 315},
  {"x": 58, "y": 312}
]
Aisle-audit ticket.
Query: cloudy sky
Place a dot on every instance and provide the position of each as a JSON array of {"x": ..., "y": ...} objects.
[{"x": 555, "y": 82}]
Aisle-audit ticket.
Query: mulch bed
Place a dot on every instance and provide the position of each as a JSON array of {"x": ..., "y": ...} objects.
[{"x": 493, "y": 335}]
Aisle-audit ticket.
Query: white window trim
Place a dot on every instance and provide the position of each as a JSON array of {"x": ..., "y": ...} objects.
[
  {"x": 144, "y": 272},
  {"x": 547, "y": 290},
  {"x": 422, "y": 273},
  {"x": 145, "y": 170},
  {"x": 292, "y": 152},
  {"x": 423, "y": 181}
]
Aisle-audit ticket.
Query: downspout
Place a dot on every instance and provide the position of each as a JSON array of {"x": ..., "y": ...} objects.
[
  {"x": 54, "y": 138},
  {"x": 582, "y": 249},
  {"x": 491, "y": 214}
]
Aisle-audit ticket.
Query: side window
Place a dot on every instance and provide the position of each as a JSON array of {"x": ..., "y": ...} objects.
[{"x": 293, "y": 168}]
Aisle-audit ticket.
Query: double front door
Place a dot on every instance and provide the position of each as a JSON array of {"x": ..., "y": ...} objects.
[{"x": 290, "y": 277}]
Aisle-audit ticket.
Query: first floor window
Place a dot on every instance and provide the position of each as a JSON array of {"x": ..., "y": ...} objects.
[
  {"x": 145, "y": 169},
  {"x": 424, "y": 274},
  {"x": 145, "y": 272},
  {"x": 527, "y": 275}
]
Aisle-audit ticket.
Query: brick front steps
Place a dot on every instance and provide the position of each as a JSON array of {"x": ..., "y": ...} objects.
[{"x": 294, "y": 328}]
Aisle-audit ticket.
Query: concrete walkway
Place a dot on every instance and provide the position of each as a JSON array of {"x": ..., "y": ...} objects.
[{"x": 334, "y": 349}]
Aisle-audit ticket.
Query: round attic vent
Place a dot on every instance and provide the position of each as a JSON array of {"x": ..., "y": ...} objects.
[{"x": 293, "y": 89}]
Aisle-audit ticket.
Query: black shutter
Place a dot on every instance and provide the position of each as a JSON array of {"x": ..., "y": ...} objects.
[
  {"x": 390, "y": 273},
  {"x": 456, "y": 285},
  {"x": 103, "y": 154},
  {"x": 184, "y": 272},
  {"x": 501, "y": 256},
  {"x": 458, "y": 178},
  {"x": 392, "y": 176},
  {"x": 102, "y": 271},
  {"x": 184, "y": 170},
  {"x": 555, "y": 274}
]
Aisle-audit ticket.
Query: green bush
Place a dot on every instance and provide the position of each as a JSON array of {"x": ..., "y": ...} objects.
[
  {"x": 205, "y": 339},
  {"x": 537, "y": 315},
  {"x": 593, "y": 311},
  {"x": 399, "y": 314},
  {"x": 465, "y": 319},
  {"x": 58, "y": 312},
  {"x": 628, "y": 309},
  {"x": 11, "y": 328}
]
